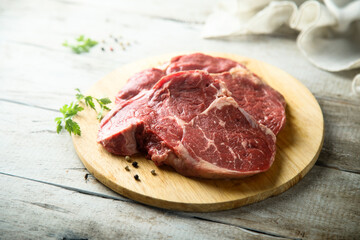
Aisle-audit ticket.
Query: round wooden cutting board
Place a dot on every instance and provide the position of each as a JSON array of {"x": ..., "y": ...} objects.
[{"x": 298, "y": 147}]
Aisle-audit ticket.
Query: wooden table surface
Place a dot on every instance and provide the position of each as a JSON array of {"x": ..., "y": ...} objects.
[{"x": 46, "y": 193}]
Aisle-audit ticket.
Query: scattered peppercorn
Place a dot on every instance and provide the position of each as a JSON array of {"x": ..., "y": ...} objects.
[
  {"x": 115, "y": 39},
  {"x": 135, "y": 164},
  {"x": 86, "y": 176},
  {"x": 153, "y": 172},
  {"x": 137, "y": 177},
  {"x": 102, "y": 49},
  {"x": 127, "y": 168},
  {"x": 122, "y": 46},
  {"x": 128, "y": 158}
]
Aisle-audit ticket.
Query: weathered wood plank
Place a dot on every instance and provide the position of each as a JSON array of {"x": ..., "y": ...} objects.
[
  {"x": 35, "y": 211},
  {"x": 342, "y": 133},
  {"x": 46, "y": 29},
  {"x": 323, "y": 205},
  {"x": 83, "y": 70},
  {"x": 309, "y": 210},
  {"x": 191, "y": 11},
  {"x": 26, "y": 149}
]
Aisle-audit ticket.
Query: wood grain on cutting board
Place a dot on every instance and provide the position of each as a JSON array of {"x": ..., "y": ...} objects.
[{"x": 298, "y": 147}]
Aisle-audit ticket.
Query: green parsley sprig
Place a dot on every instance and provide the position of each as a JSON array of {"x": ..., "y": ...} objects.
[
  {"x": 89, "y": 101},
  {"x": 70, "y": 110},
  {"x": 83, "y": 44}
]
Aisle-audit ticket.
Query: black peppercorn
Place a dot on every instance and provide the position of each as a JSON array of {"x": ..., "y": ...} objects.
[
  {"x": 135, "y": 164},
  {"x": 137, "y": 177}
]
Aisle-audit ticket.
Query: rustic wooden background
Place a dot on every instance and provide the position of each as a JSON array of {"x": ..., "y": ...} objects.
[{"x": 47, "y": 193}]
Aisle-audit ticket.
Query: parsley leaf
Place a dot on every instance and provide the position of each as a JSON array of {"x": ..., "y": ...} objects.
[
  {"x": 80, "y": 38},
  {"x": 89, "y": 102},
  {"x": 104, "y": 101},
  {"x": 72, "y": 127},
  {"x": 70, "y": 110},
  {"x": 79, "y": 95},
  {"x": 83, "y": 44}
]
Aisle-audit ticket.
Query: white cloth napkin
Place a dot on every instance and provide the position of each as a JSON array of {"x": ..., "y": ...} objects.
[{"x": 329, "y": 33}]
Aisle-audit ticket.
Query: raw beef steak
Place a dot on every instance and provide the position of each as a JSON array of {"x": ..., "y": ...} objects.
[
  {"x": 260, "y": 100},
  {"x": 117, "y": 129},
  {"x": 224, "y": 142},
  {"x": 189, "y": 93},
  {"x": 176, "y": 99},
  {"x": 257, "y": 98},
  {"x": 191, "y": 123},
  {"x": 143, "y": 80},
  {"x": 199, "y": 61}
]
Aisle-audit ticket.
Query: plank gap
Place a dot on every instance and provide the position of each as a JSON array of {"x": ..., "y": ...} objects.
[
  {"x": 321, "y": 164},
  {"x": 176, "y": 20},
  {"x": 338, "y": 99},
  {"x": 251, "y": 230},
  {"x": 71, "y": 188},
  {"x": 28, "y": 105}
]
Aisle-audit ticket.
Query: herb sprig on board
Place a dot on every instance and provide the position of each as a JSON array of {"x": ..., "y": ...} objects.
[
  {"x": 89, "y": 101},
  {"x": 83, "y": 44},
  {"x": 70, "y": 110}
]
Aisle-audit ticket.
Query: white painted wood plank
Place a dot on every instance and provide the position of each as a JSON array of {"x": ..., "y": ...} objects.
[
  {"x": 30, "y": 147},
  {"x": 342, "y": 133},
  {"x": 323, "y": 205},
  {"x": 36, "y": 211},
  {"x": 37, "y": 33}
]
